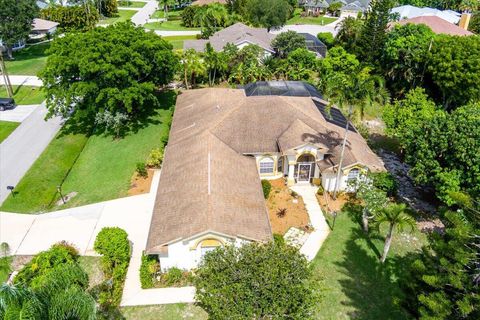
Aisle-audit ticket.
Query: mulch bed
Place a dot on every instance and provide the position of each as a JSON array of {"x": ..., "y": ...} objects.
[{"x": 140, "y": 185}]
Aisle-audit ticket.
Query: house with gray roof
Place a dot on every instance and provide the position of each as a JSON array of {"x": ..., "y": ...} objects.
[
  {"x": 350, "y": 7},
  {"x": 222, "y": 142}
]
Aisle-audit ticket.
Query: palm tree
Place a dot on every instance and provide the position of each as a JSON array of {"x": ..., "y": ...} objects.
[
  {"x": 352, "y": 91},
  {"x": 397, "y": 218},
  {"x": 348, "y": 32},
  {"x": 192, "y": 66}
]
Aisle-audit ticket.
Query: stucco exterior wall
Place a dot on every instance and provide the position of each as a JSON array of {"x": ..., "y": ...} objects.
[{"x": 187, "y": 255}]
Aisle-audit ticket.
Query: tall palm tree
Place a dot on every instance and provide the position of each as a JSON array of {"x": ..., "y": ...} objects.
[
  {"x": 192, "y": 66},
  {"x": 353, "y": 91},
  {"x": 397, "y": 218}
]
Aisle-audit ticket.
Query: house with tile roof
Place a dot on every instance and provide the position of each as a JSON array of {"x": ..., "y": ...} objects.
[
  {"x": 223, "y": 142},
  {"x": 437, "y": 24}
]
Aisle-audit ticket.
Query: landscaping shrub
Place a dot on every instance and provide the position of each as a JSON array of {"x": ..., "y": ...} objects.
[
  {"x": 320, "y": 190},
  {"x": 148, "y": 270},
  {"x": 155, "y": 158},
  {"x": 173, "y": 276},
  {"x": 278, "y": 239},
  {"x": 113, "y": 244},
  {"x": 385, "y": 182},
  {"x": 59, "y": 253},
  {"x": 142, "y": 170},
  {"x": 188, "y": 16},
  {"x": 72, "y": 18},
  {"x": 267, "y": 187},
  {"x": 326, "y": 38}
]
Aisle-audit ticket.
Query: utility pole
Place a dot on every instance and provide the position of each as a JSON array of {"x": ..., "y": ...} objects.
[{"x": 6, "y": 78}]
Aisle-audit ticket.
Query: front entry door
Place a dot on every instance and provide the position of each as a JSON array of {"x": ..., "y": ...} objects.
[{"x": 304, "y": 172}]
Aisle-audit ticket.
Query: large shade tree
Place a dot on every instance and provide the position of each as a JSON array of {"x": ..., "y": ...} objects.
[
  {"x": 115, "y": 69},
  {"x": 255, "y": 281},
  {"x": 16, "y": 17},
  {"x": 268, "y": 13}
]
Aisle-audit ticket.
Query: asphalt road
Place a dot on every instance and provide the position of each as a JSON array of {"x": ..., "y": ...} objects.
[{"x": 20, "y": 150}]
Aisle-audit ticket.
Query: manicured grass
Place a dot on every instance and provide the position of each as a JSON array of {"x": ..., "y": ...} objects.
[
  {"x": 298, "y": 19},
  {"x": 168, "y": 311},
  {"x": 353, "y": 281},
  {"x": 28, "y": 61},
  {"x": 123, "y": 15},
  {"x": 7, "y": 127},
  {"x": 37, "y": 191},
  {"x": 171, "y": 25},
  {"x": 24, "y": 94},
  {"x": 172, "y": 15},
  {"x": 131, "y": 4},
  {"x": 177, "y": 41},
  {"x": 102, "y": 171}
]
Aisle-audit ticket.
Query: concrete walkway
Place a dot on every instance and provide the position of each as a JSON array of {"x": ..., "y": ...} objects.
[
  {"x": 317, "y": 220},
  {"x": 313, "y": 29},
  {"x": 23, "y": 146},
  {"x": 18, "y": 114},
  {"x": 176, "y": 33},
  {"x": 23, "y": 80},
  {"x": 142, "y": 15}
]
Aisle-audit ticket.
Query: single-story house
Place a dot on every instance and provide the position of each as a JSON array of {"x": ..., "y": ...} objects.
[
  {"x": 238, "y": 34},
  {"x": 349, "y": 7},
  {"x": 408, "y": 12},
  {"x": 437, "y": 24},
  {"x": 222, "y": 143},
  {"x": 42, "y": 28}
]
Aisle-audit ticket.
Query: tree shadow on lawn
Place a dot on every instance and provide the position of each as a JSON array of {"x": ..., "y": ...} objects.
[
  {"x": 150, "y": 116},
  {"x": 372, "y": 288}
]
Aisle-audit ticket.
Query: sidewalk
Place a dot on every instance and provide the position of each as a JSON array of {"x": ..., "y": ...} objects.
[
  {"x": 143, "y": 14},
  {"x": 21, "y": 148},
  {"x": 23, "y": 80},
  {"x": 321, "y": 230}
]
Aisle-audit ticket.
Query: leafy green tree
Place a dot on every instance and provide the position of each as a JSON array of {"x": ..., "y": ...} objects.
[
  {"x": 300, "y": 65},
  {"x": 193, "y": 66},
  {"x": 188, "y": 16},
  {"x": 396, "y": 217},
  {"x": 288, "y": 41},
  {"x": 404, "y": 117},
  {"x": 334, "y": 8},
  {"x": 108, "y": 8},
  {"x": 348, "y": 32},
  {"x": 215, "y": 62},
  {"x": 255, "y": 281},
  {"x": 237, "y": 6},
  {"x": 373, "y": 33},
  {"x": 113, "y": 244},
  {"x": 455, "y": 69},
  {"x": 211, "y": 18},
  {"x": 268, "y": 13},
  {"x": 16, "y": 18},
  {"x": 406, "y": 55},
  {"x": 443, "y": 281},
  {"x": 116, "y": 68},
  {"x": 474, "y": 25},
  {"x": 248, "y": 66},
  {"x": 326, "y": 38},
  {"x": 72, "y": 18}
]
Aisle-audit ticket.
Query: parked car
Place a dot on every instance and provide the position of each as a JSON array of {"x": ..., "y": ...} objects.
[{"x": 6, "y": 103}]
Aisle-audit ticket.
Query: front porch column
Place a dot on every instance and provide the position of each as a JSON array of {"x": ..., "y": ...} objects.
[{"x": 291, "y": 174}]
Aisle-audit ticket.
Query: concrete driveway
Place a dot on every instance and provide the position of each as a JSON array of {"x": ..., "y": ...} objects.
[
  {"x": 312, "y": 29},
  {"x": 23, "y": 80},
  {"x": 23, "y": 146},
  {"x": 143, "y": 14},
  {"x": 18, "y": 114}
]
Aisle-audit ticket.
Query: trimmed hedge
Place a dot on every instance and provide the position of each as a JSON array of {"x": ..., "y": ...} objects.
[
  {"x": 148, "y": 270},
  {"x": 267, "y": 187}
]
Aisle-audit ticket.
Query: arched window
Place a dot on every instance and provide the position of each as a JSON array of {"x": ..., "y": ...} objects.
[
  {"x": 266, "y": 165},
  {"x": 306, "y": 157},
  {"x": 353, "y": 174}
]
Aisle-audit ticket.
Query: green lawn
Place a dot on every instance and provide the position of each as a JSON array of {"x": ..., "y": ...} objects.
[
  {"x": 24, "y": 94},
  {"x": 101, "y": 171},
  {"x": 168, "y": 311},
  {"x": 7, "y": 127},
  {"x": 29, "y": 60},
  {"x": 131, "y": 4},
  {"x": 123, "y": 15},
  {"x": 354, "y": 284},
  {"x": 171, "y": 25},
  {"x": 298, "y": 19},
  {"x": 177, "y": 41},
  {"x": 172, "y": 15}
]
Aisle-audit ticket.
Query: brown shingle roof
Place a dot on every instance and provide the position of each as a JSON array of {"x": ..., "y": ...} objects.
[
  {"x": 43, "y": 25},
  {"x": 235, "y": 34},
  {"x": 438, "y": 25},
  {"x": 207, "y": 184}
]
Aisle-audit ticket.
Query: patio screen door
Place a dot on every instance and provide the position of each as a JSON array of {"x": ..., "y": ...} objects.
[{"x": 304, "y": 172}]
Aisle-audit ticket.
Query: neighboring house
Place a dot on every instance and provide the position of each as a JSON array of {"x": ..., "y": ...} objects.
[
  {"x": 437, "y": 24},
  {"x": 238, "y": 34},
  {"x": 207, "y": 2},
  {"x": 349, "y": 8},
  {"x": 43, "y": 28},
  {"x": 315, "y": 45},
  {"x": 40, "y": 29},
  {"x": 408, "y": 12},
  {"x": 222, "y": 143}
]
